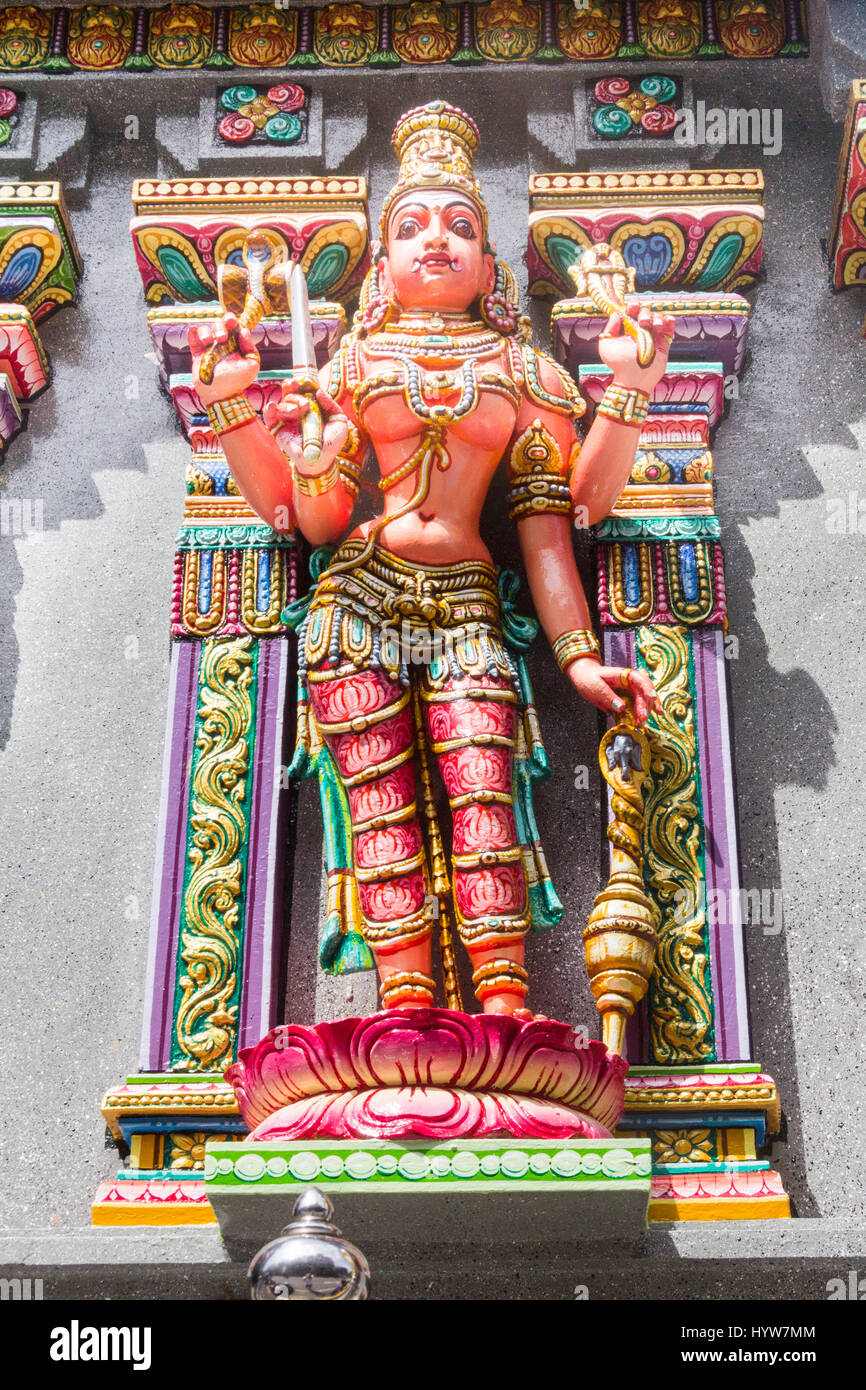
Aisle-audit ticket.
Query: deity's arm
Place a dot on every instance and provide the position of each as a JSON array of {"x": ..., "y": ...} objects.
[
  {"x": 607, "y": 457},
  {"x": 266, "y": 457},
  {"x": 541, "y": 457},
  {"x": 262, "y": 472},
  {"x": 602, "y": 468},
  {"x": 322, "y": 497},
  {"x": 542, "y": 460}
]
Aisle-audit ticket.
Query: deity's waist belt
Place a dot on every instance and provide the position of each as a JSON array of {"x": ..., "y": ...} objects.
[{"x": 393, "y": 614}]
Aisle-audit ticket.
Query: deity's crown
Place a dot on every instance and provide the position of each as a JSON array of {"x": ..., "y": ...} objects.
[{"x": 435, "y": 144}]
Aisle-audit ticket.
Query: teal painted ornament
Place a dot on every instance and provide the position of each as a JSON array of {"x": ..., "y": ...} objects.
[
  {"x": 233, "y": 98},
  {"x": 612, "y": 122},
  {"x": 284, "y": 128},
  {"x": 658, "y": 86}
]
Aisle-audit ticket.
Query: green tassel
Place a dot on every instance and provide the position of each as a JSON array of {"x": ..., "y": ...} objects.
[
  {"x": 353, "y": 956},
  {"x": 383, "y": 58},
  {"x": 549, "y": 53},
  {"x": 219, "y": 60},
  {"x": 545, "y": 906},
  {"x": 631, "y": 50},
  {"x": 303, "y": 60},
  {"x": 138, "y": 62},
  {"x": 466, "y": 56},
  {"x": 57, "y": 63},
  {"x": 710, "y": 50}
]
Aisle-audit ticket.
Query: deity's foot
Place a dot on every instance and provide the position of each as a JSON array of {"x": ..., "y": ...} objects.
[{"x": 512, "y": 1006}]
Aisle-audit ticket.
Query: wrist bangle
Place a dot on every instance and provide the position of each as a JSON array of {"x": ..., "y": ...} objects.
[
  {"x": 570, "y": 645},
  {"x": 320, "y": 482},
  {"x": 626, "y": 404},
  {"x": 230, "y": 414}
]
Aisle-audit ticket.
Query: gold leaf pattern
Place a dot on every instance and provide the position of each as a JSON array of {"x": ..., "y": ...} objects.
[
  {"x": 206, "y": 1029},
  {"x": 681, "y": 1008}
]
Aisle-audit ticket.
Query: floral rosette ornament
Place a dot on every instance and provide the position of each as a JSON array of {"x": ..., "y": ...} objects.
[
  {"x": 625, "y": 111},
  {"x": 271, "y": 116}
]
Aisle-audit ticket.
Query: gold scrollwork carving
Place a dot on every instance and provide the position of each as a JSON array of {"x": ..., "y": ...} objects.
[
  {"x": 681, "y": 1008},
  {"x": 212, "y": 925}
]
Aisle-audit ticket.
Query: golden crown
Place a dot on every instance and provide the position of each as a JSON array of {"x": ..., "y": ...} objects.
[{"x": 435, "y": 145}]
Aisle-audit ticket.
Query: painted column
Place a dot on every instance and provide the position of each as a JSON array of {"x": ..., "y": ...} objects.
[
  {"x": 661, "y": 597},
  {"x": 219, "y": 895}
]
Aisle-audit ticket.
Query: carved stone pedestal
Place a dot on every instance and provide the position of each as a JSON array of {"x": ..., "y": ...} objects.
[{"x": 460, "y": 1190}]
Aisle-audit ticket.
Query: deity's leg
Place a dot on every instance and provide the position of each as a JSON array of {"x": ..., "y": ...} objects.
[
  {"x": 368, "y": 725},
  {"x": 471, "y": 726}
]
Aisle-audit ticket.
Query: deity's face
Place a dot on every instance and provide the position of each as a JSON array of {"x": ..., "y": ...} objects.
[{"x": 435, "y": 251}]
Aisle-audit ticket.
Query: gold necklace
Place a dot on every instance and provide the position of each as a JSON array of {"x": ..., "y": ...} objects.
[{"x": 434, "y": 335}]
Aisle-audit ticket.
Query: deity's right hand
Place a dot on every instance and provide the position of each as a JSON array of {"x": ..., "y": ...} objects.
[
  {"x": 284, "y": 417},
  {"x": 234, "y": 372}
]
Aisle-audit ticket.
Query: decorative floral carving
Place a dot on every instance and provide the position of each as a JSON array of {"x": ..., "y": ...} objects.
[
  {"x": 683, "y": 1146},
  {"x": 425, "y": 32},
  {"x": 212, "y": 923}
]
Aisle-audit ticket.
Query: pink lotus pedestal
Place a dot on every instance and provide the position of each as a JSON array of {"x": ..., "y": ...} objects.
[{"x": 432, "y": 1125}]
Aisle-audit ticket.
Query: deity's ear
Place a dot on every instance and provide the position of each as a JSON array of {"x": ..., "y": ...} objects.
[
  {"x": 386, "y": 284},
  {"x": 489, "y": 283}
]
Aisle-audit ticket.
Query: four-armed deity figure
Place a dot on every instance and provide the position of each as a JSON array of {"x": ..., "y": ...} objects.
[{"x": 439, "y": 380}]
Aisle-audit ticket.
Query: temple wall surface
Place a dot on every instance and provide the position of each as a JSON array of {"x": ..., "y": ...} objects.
[{"x": 84, "y": 657}]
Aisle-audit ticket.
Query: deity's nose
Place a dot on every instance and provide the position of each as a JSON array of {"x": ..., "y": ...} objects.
[{"x": 435, "y": 230}]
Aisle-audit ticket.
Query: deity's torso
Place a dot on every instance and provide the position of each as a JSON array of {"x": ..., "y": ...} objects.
[{"x": 455, "y": 387}]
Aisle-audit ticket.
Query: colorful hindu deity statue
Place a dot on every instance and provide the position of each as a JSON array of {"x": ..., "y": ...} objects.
[{"x": 409, "y": 655}]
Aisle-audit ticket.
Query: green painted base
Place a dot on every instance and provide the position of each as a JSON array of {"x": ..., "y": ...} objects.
[
  {"x": 384, "y": 59},
  {"x": 467, "y": 57},
  {"x": 219, "y": 60},
  {"x": 549, "y": 54},
  {"x": 710, "y": 50},
  {"x": 461, "y": 1190},
  {"x": 57, "y": 63},
  {"x": 631, "y": 50},
  {"x": 139, "y": 62},
  {"x": 303, "y": 60}
]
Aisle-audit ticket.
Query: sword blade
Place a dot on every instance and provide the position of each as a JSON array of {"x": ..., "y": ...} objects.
[{"x": 303, "y": 352}]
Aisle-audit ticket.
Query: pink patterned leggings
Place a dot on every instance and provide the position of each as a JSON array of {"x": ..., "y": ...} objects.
[{"x": 470, "y": 724}]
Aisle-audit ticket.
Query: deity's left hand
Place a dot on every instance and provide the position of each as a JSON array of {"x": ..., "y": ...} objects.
[
  {"x": 619, "y": 351},
  {"x": 598, "y": 684}
]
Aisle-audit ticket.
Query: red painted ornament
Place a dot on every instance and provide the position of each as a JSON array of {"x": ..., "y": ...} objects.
[
  {"x": 288, "y": 97},
  {"x": 238, "y": 130},
  {"x": 8, "y": 102},
  {"x": 611, "y": 89},
  {"x": 660, "y": 120}
]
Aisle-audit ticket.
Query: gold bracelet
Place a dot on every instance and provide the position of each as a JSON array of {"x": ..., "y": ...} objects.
[
  {"x": 319, "y": 483},
  {"x": 570, "y": 645},
  {"x": 230, "y": 414},
  {"x": 626, "y": 404}
]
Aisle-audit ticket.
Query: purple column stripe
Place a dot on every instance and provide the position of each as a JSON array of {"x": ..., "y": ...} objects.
[
  {"x": 266, "y": 851},
  {"x": 170, "y": 857},
  {"x": 727, "y": 959}
]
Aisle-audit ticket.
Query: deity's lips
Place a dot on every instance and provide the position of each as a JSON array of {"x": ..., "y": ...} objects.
[{"x": 437, "y": 261}]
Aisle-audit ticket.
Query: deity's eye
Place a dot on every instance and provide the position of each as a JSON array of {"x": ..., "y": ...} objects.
[
  {"x": 407, "y": 228},
  {"x": 462, "y": 226}
]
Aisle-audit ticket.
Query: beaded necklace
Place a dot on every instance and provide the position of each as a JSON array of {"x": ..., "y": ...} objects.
[{"x": 434, "y": 337}]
